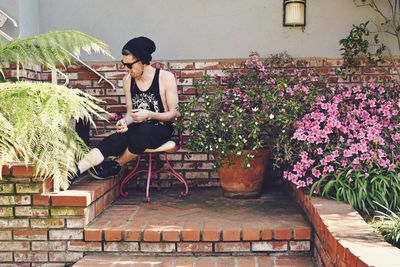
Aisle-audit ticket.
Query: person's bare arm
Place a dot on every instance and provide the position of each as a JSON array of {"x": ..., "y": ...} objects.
[
  {"x": 122, "y": 124},
  {"x": 171, "y": 98}
]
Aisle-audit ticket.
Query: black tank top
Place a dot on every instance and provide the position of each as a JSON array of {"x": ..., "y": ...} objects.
[{"x": 149, "y": 99}]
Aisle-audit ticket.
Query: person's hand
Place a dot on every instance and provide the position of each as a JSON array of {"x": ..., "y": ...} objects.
[
  {"x": 122, "y": 127},
  {"x": 140, "y": 115}
]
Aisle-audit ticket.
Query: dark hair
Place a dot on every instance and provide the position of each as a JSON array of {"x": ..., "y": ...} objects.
[{"x": 126, "y": 52}]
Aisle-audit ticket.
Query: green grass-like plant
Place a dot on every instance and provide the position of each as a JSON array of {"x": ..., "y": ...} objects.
[
  {"x": 362, "y": 190},
  {"x": 387, "y": 223}
]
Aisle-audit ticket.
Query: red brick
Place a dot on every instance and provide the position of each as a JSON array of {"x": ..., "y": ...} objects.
[
  {"x": 65, "y": 256},
  {"x": 47, "y": 223},
  {"x": 211, "y": 232},
  {"x": 5, "y": 235},
  {"x": 211, "y": 235},
  {"x": 323, "y": 256},
  {"x": 181, "y": 65},
  {"x": 14, "y": 245},
  {"x": 5, "y": 171},
  {"x": 265, "y": 261},
  {"x": 251, "y": 234},
  {"x": 152, "y": 235},
  {"x": 14, "y": 223},
  {"x": 191, "y": 73},
  {"x": 30, "y": 234},
  {"x": 70, "y": 201},
  {"x": 266, "y": 234},
  {"x": 49, "y": 245},
  {"x": 205, "y": 261},
  {"x": 6, "y": 188},
  {"x": 48, "y": 185},
  {"x": 40, "y": 200},
  {"x": 22, "y": 171},
  {"x": 282, "y": 234},
  {"x": 299, "y": 245},
  {"x": 88, "y": 76},
  {"x": 157, "y": 247},
  {"x": 31, "y": 188},
  {"x": 133, "y": 235},
  {"x": 302, "y": 233},
  {"x": 194, "y": 247},
  {"x": 122, "y": 246},
  {"x": 293, "y": 261},
  {"x": 184, "y": 261},
  {"x": 331, "y": 244},
  {"x": 6, "y": 257},
  {"x": 23, "y": 200},
  {"x": 246, "y": 261},
  {"x": 351, "y": 259},
  {"x": 231, "y": 235},
  {"x": 66, "y": 234},
  {"x": 31, "y": 256},
  {"x": 269, "y": 246},
  {"x": 191, "y": 231},
  {"x": 361, "y": 263},
  {"x": 232, "y": 247},
  {"x": 84, "y": 246},
  {"x": 171, "y": 235},
  {"x": 92, "y": 235},
  {"x": 340, "y": 253},
  {"x": 112, "y": 235},
  {"x": 31, "y": 211}
]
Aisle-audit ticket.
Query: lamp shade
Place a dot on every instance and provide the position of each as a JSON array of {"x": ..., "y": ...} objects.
[{"x": 294, "y": 13}]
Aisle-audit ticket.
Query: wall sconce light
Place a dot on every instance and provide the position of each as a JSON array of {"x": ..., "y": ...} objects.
[{"x": 294, "y": 13}]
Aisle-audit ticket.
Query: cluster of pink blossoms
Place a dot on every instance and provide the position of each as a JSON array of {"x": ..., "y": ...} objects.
[{"x": 351, "y": 127}]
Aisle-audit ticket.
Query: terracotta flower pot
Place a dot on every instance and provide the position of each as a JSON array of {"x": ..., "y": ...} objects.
[{"x": 239, "y": 182}]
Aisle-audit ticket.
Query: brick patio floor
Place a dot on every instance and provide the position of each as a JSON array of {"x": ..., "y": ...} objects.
[
  {"x": 202, "y": 229},
  {"x": 204, "y": 215},
  {"x": 235, "y": 261}
]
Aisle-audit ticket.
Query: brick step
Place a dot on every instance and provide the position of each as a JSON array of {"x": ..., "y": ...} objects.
[
  {"x": 203, "y": 222},
  {"x": 84, "y": 200},
  {"x": 186, "y": 261}
]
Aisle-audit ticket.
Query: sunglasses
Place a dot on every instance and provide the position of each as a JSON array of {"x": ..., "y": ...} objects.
[{"x": 129, "y": 65}]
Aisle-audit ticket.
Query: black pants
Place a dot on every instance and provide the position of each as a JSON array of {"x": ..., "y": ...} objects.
[{"x": 137, "y": 139}]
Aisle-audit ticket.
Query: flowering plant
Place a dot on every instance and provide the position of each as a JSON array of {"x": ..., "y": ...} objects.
[
  {"x": 248, "y": 108},
  {"x": 350, "y": 144}
]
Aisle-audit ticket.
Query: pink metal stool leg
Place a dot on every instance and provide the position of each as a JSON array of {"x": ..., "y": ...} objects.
[
  {"x": 122, "y": 190},
  {"x": 150, "y": 175},
  {"x": 148, "y": 179},
  {"x": 177, "y": 175}
]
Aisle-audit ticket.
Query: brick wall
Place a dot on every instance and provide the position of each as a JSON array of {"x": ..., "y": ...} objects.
[
  {"x": 340, "y": 235},
  {"x": 197, "y": 168},
  {"x": 41, "y": 227}
]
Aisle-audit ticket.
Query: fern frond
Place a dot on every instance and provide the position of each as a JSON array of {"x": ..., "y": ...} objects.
[
  {"x": 50, "y": 49},
  {"x": 36, "y": 122}
]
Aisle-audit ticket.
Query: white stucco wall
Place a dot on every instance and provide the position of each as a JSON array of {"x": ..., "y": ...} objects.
[{"x": 203, "y": 29}]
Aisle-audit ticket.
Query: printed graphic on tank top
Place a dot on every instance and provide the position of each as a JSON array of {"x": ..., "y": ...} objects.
[{"x": 149, "y": 99}]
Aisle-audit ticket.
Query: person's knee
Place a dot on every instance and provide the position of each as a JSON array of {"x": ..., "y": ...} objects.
[{"x": 136, "y": 148}]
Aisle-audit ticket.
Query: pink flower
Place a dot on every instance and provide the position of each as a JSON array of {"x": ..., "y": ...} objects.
[{"x": 316, "y": 173}]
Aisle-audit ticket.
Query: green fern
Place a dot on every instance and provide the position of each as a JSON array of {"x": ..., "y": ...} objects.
[
  {"x": 50, "y": 49},
  {"x": 35, "y": 126}
]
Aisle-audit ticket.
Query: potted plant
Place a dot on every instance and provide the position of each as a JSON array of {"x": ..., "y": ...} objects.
[{"x": 245, "y": 115}]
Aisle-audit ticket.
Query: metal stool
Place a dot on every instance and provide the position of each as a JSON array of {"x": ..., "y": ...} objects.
[{"x": 168, "y": 147}]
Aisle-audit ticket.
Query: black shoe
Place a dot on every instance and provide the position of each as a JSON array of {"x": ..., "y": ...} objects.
[{"x": 105, "y": 170}]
